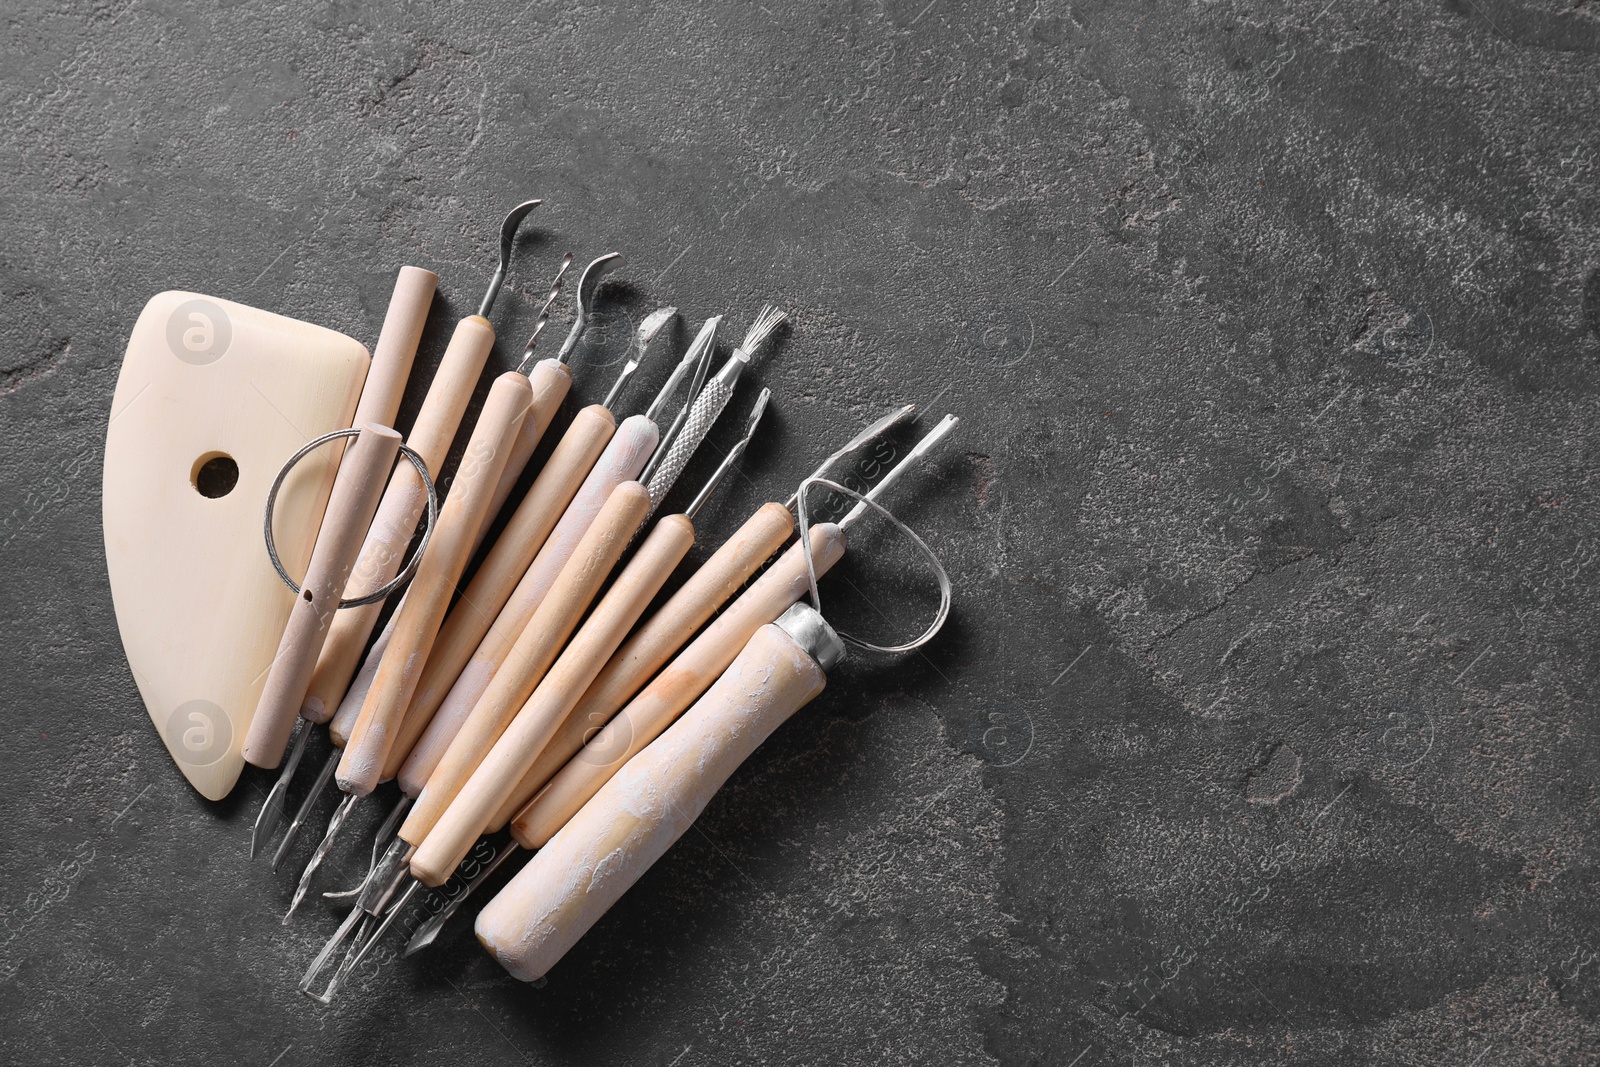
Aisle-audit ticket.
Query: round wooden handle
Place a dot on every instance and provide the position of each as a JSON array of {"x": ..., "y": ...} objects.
[
  {"x": 551, "y": 380},
  {"x": 450, "y": 839},
  {"x": 536, "y": 649},
  {"x": 355, "y": 494},
  {"x": 646, "y": 807},
  {"x": 657, "y": 641},
  {"x": 396, "y": 349},
  {"x": 508, "y": 559},
  {"x": 621, "y": 462},
  {"x": 417, "y": 622},
  {"x": 674, "y": 689},
  {"x": 396, "y": 522}
]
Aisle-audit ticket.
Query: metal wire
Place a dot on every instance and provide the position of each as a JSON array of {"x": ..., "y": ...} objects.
[
  {"x": 416, "y": 557},
  {"x": 933, "y": 560}
]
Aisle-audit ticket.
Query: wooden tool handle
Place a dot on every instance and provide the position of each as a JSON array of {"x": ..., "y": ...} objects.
[
  {"x": 536, "y": 649},
  {"x": 396, "y": 349},
  {"x": 450, "y": 839},
  {"x": 622, "y": 461},
  {"x": 362, "y": 474},
  {"x": 636, "y": 817},
  {"x": 551, "y": 380},
  {"x": 384, "y": 550},
  {"x": 674, "y": 689},
  {"x": 657, "y": 641},
  {"x": 417, "y": 622},
  {"x": 524, "y": 534}
]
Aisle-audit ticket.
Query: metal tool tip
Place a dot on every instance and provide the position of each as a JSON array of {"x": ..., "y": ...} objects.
[
  {"x": 757, "y": 411},
  {"x": 764, "y": 327},
  {"x": 654, "y": 323}
]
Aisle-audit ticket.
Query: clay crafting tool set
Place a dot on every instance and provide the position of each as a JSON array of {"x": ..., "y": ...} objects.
[{"x": 261, "y": 508}]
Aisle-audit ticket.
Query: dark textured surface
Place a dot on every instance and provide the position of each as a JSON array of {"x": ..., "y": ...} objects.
[{"x": 1263, "y": 731}]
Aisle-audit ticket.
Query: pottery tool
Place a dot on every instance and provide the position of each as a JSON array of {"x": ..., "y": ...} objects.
[
  {"x": 582, "y": 451},
  {"x": 524, "y": 535},
  {"x": 211, "y": 399},
  {"x": 564, "y": 889},
  {"x": 648, "y": 805},
  {"x": 418, "y": 620},
  {"x": 549, "y": 679},
  {"x": 362, "y": 474},
  {"x": 518, "y": 663},
  {"x": 444, "y": 843},
  {"x": 694, "y": 422},
  {"x": 419, "y": 614},
  {"x": 675, "y": 689},
  {"x": 459, "y": 693},
  {"x": 649, "y": 648},
  {"x": 432, "y": 432},
  {"x": 505, "y": 567}
]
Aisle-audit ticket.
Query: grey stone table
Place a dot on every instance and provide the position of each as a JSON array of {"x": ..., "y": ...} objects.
[{"x": 1263, "y": 727}]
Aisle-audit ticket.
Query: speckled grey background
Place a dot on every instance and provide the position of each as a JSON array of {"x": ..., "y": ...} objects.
[{"x": 1263, "y": 729}]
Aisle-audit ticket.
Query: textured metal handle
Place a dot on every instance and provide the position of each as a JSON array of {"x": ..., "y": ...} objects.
[{"x": 707, "y": 406}]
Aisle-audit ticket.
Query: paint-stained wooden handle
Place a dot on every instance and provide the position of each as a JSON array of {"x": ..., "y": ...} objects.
[
  {"x": 497, "y": 576},
  {"x": 417, "y": 622},
  {"x": 356, "y": 490},
  {"x": 551, "y": 380},
  {"x": 621, "y": 462},
  {"x": 674, "y": 689},
  {"x": 645, "y": 808},
  {"x": 452, "y": 837},
  {"x": 396, "y": 522},
  {"x": 535, "y": 650},
  {"x": 657, "y": 641},
  {"x": 396, "y": 349}
]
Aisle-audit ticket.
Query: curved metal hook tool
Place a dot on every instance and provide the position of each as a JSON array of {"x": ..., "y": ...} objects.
[{"x": 508, "y": 237}]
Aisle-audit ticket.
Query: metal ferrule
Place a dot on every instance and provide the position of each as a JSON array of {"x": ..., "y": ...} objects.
[{"x": 812, "y": 633}]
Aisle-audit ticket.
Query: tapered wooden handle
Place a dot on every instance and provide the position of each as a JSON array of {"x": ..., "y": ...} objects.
[
  {"x": 657, "y": 641},
  {"x": 536, "y": 649},
  {"x": 674, "y": 689},
  {"x": 396, "y": 349},
  {"x": 451, "y": 838},
  {"x": 508, "y": 559},
  {"x": 636, "y": 817},
  {"x": 360, "y": 482},
  {"x": 621, "y": 462},
  {"x": 417, "y": 622},
  {"x": 551, "y": 380},
  {"x": 385, "y": 547}
]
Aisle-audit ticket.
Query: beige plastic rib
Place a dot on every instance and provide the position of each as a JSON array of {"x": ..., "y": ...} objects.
[
  {"x": 536, "y": 649},
  {"x": 418, "y": 619},
  {"x": 385, "y": 547},
  {"x": 674, "y": 689},
  {"x": 644, "y": 809},
  {"x": 356, "y": 490},
  {"x": 452, "y": 837},
  {"x": 621, "y": 462},
  {"x": 199, "y": 607},
  {"x": 653, "y": 644}
]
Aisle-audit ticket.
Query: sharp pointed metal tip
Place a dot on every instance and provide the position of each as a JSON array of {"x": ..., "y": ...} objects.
[
  {"x": 756, "y": 412},
  {"x": 270, "y": 817}
]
